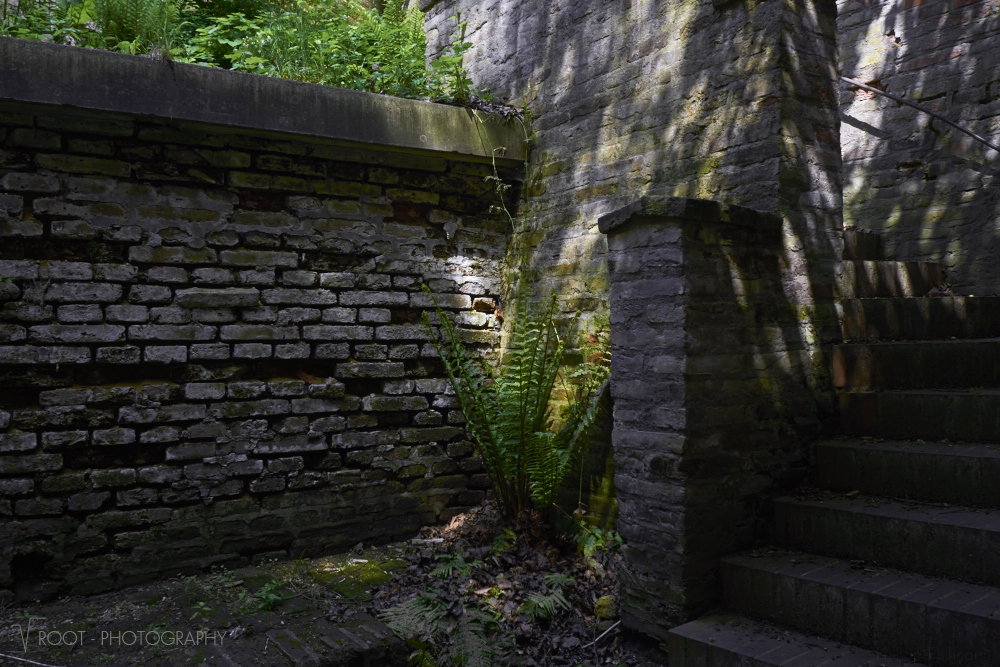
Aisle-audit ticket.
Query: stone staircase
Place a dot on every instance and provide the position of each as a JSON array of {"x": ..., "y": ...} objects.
[{"x": 893, "y": 558}]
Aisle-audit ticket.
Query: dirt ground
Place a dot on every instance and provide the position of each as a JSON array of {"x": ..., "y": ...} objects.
[{"x": 332, "y": 610}]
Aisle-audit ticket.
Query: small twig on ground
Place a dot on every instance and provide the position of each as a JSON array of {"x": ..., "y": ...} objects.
[
  {"x": 30, "y": 662},
  {"x": 602, "y": 635}
]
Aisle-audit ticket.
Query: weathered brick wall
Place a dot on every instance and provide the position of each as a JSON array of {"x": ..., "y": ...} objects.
[
  {"x": 211, "y": 345},
  {"x": 708, "y": 379},
  {"x": 733, "y": 102},
  {"x": 928, "y": 189},
  {"x": 683, "y": 98}
]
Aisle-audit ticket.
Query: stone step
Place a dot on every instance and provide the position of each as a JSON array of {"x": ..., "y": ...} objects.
[
  {"x": 954, "y": 542},
  {"x": 917, "y": 364},
  {"x": 861, "y": 244},
  {"x": 895, "y": 613},
  {"x": 728, "y": 640},
  {"x": 940, "y": 472},
  {"x": 861, "y": 279},
  {"x": 960, "y": 416},
  {"x": 920, "y": 319}
]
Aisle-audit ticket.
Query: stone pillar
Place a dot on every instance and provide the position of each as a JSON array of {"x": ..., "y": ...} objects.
[{"x": 711, "y": 395}]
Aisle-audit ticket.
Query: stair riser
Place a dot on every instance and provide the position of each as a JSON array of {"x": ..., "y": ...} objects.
[
  {"x": 866, "y": 616},
  {"x": 860, "y": 245},
  {"x": 957, "y": 417},
  {"x": 724, "y": 640},
  {"x": 917, "y": 365},
  {"x": 921, "y": 319},
  {"x": 880, "y": 279},
  {"x": 919, "y": 475},
  {"x": 934, "y": 549}
]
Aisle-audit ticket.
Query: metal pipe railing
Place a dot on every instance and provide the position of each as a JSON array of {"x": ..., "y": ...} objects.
[{"x": 896, "y": 98}]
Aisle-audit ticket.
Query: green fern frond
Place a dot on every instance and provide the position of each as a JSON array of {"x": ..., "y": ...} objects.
[{"x": 544, "y": 606}]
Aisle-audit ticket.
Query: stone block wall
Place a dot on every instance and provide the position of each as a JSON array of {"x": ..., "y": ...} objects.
[
  {"x": 211, "y": 347},
  {"x": 709, "y": 378},
  {"x": 729, "y": 101},
  {"x": 928, "y": 189}
]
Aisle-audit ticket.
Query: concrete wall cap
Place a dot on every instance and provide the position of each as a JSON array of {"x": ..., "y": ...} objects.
[
  {"x": 41, "y": 73},
  {"x": 686, "y": 208}
]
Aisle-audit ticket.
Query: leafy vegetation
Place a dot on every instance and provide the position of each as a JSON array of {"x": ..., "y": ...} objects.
[
  {"x": 508, "y": 410},
  {"x": 341, "y": 43}
]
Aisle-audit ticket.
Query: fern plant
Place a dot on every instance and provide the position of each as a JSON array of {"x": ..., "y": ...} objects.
[
  {"x": 133, "y": 26},
  {"x": 508, "y": 411},
  {"x": 462, "y": 634}
]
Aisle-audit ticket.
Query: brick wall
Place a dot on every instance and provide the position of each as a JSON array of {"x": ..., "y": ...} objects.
[
  {"x": 724, "y": 101},
  {"x": 928, "y": 189},
  {"x": 211, "y": 349}
]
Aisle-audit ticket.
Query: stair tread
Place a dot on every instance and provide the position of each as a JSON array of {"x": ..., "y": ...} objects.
[
  {"x": 936, "y": 592},
  {"x": 769, "y": 644},
  {"x": 967, "y": 449},
  {"x": 928, "y": 341},
  {"x": 952, "y": 515}
]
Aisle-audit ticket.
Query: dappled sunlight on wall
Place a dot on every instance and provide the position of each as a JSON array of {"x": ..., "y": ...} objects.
[{"x": 930, "y": 190}]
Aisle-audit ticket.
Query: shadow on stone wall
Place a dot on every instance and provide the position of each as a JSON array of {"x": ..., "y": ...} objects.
[
  {"x": 735, "y": 104},
  {"x": 930, "y": 190}
]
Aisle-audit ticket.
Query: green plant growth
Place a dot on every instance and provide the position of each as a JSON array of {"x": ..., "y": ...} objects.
[
  {"x": 431, "y": 619},
  {"x": 339, "y": 43},
  {"x": 544, "y": 605},
  {"x": 508, "y": 410}
]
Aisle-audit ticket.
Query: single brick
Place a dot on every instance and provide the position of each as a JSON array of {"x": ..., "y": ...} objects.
[
  {"x": 17, "y": 465},
  {"x": 87, "y": 502},
  {"x": 211, "y": 276},
  {"x": 171, "y": 255},
  {"x": 20, "y": 182},
  {"x": 402, "y": 332},
  {"x": 299, "y": 278},
  {"x": 65, "y": 397},
  {"x": 199, "y": 297},
  {"x": 39, "y": 507},
  {"x": 204, "y": 391},
  {"x": 18, "y": 269},
  {"x": 160, "y": 434},
  {"x": 393, "y": 403},
  {"x": 126, "y": 354},
  {"x": 165, "y": 354},
  {"x": 149, "y": 294},
  {"x": 166, "y": 413},
  {"x": 337, "y": 280},
  {"x": 166, "y": 274},
  {"x": 11, "y": 333},
  {"x": 114, "y": 436},
  {"x": 112, "y": 477},
  {"x": 82, "y": 333},
  {"x": 259, "y": 258},
  {"x": 292, "y": 351},
  {"x": 370, "y": 370},
  {"x": 252, "y": 351},
  {"x": 169, "y": 315},
  {"x": 258, "y": 332},
  {"x": 299, "y": 297},
  {"x": 261, "y": 408},
  {"x": 333, "y": 332},
  {"x": 209, "y": 352},
  {"x": 247, "y": 389},
  {"x": 18, "y": 442},
  {"x": 33, "y": 138},
  {"x": 64, "y": 439},
  {"x": 456, "y": 301},
  {"x": 129, "y": 314},
  {"x": 136, "y": 497},
  {"x": 83, "y": 165},
  {"x": 90, "y": 312},
  {"x": 333, "y": 351},
  {"x": 66, "y": 270},
  {"x": 19, "y": 228},
  {"x": 17, "y": 487},
  {"x": 156, "y": 332},
  {"x": 84, "y": 293},
  {"x": 159, "y": 475},
  {"x": 340, "y": 315},
  {"x": 373, "y": 299}
]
